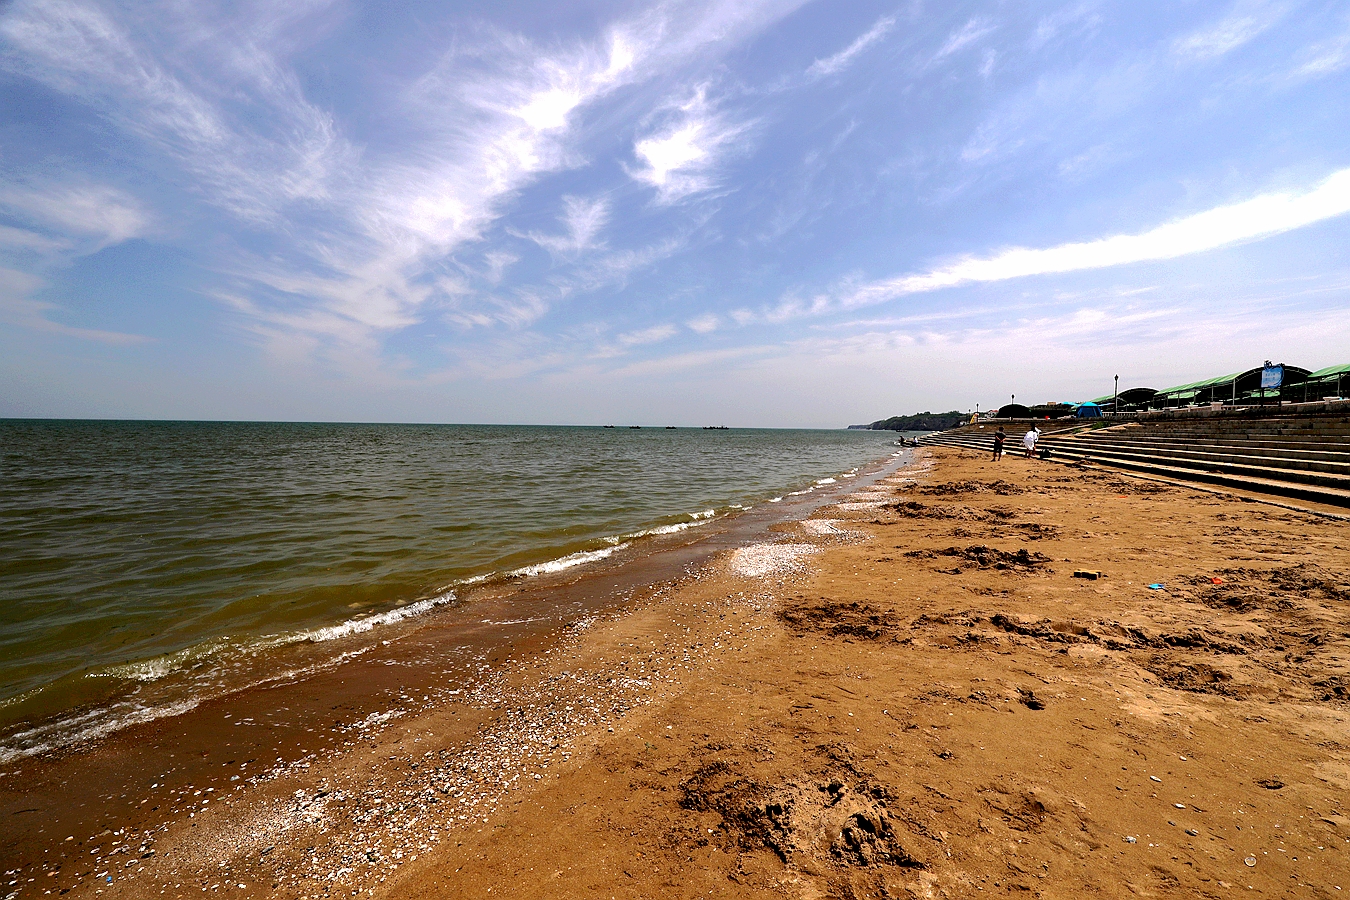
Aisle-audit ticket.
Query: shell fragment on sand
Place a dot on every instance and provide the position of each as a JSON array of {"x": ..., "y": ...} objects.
[{"x": 760, "y": 560}]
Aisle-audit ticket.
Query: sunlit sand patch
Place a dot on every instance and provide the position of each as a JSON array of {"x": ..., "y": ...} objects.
[
  {"x": 860, "y": 505},
  {"x": 761, "y": 560}
]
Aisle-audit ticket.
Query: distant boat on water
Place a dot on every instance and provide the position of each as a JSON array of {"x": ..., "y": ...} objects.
[
  {"x": 715, "y": 428},
  {"x": 634, "y": 426},
  {"x": 607, "y": 426}
]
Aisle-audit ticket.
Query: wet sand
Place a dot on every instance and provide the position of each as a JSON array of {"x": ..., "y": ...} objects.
[{"x": 909, "y": 694}]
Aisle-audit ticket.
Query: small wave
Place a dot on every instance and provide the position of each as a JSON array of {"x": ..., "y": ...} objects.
[
  {"x": 676, "y": 528},
  {"x": 45, "y": 737},
  {"x": 366, "y": 623},
  {"x": 162, "y": 666},
  {"x": 579, "y": 558},
  {"x": 775, "y": 499},
  {"x": 827, "y": 481}
]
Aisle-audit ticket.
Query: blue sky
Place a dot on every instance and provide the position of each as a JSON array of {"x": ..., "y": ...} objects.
[{"x": 751, "y": 213}]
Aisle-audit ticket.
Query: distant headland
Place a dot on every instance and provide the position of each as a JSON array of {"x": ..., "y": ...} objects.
[{"x": 924, "y": 421}]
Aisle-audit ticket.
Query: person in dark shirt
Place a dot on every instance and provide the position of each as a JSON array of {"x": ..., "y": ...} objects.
[{"x": 999, "y": 437}]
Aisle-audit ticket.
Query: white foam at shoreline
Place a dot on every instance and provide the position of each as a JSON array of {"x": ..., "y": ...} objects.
[
  {"x": 35, "y": 740},
  {"x": 666, "y": 529},
  {"x": 161, "y": 666},
  {"x": 760, "y": 560},
  {"x": 579, "y": 558},
  {"x": 362, "y": 625}
]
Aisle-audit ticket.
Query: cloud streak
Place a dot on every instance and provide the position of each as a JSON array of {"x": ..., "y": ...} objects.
[
  {"x": 832, "y": 65},
  {"x": 963, "y": 37},
  {"x": 1246, "y": 22},
  {"x": 1260, "y": 217},
  {"x": 99, "y": 212}
]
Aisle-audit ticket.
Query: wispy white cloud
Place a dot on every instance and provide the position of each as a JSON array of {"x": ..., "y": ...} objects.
[
  {"x": 963, "y": 37},
  {"x": 616, "y": 267},
  {"x": 1259, "y": 217},
  {"x": 651, "y": 335},
  {"x": 987, "y": 62},
  {"x": 497, "y": 262},
  {"x": 19, "y": 308},
  {"x": 77, "y": 49},
  {"x": 681, "y": 159},
  {"x": 1247, "y": 19},
  {"x": 1076, "y": 18},
  {"x": 583, "y": 220},
  {"x": 359, "y": 239},
  {"x": 102, "y": 213},
  {"x": 831, "y": 65},
  {"x": 22, "y": 240},
  {"x": 1325, "y": 57},
  {"x": 705, "y": 324}
]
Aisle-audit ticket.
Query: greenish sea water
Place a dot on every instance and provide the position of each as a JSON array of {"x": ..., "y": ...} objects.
[{"x": 132, "y": 552}]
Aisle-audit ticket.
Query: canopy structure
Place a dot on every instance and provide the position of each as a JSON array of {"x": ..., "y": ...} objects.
[
  {"x": 1333, "y": 381},
  {"x": 1128, "y": 400},
  {"x": 1014, "y": 411},
  {"x": 1088, "y": 411},
  {"x": 1228, "y": 389}
]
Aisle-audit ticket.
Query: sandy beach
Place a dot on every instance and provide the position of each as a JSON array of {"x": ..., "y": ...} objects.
[{"x": 909, "y": 694}]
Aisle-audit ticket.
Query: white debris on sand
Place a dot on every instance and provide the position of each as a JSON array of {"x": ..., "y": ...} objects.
[
  {"x": 823, "y": 528},
  {"x": 761, "y": 560},
  {"x": 860, "y": 506}
]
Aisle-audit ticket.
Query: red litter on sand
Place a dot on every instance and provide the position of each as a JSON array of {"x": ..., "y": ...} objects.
[{"x": 1215, "y": 579}]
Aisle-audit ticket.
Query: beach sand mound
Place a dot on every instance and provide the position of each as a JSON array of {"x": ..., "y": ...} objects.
[
  {"x": 851, "y": 619},
  {"x": 816, "y": 824}
]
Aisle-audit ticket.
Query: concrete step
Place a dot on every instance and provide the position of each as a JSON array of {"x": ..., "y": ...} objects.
[
  {"x": 1199, "y": 457},
  {"x": 1292, "y": 448},
  {"x": 1336, "y": 429},
  {"x": 1335, "y": 496},
  {"x": 1329, "y": 489},
  {"x": 1334, "y": 479}
]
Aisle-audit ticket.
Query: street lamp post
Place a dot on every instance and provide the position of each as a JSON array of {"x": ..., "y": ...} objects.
[{"x": 1115, "y": 398}]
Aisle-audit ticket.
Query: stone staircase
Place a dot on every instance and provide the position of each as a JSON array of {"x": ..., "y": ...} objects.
[{"x": 1304, "y": 457}]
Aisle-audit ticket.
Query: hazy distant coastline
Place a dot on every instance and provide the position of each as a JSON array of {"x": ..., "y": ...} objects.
[{"x": 924, "y": 421}]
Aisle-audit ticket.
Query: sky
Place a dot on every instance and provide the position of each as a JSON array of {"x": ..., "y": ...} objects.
[{"x": 777, "y": 214}]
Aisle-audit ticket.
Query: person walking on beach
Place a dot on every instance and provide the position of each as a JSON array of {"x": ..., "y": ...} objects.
[
  {"x": 1029, "y": 440},
  {"x": 999, "y": 437}
]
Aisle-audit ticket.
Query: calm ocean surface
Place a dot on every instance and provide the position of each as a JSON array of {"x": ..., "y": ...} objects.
[{"x": 135, "y": 551}]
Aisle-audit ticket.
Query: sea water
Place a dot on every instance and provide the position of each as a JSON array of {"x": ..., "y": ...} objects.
[{"x": 136, "y": 552}]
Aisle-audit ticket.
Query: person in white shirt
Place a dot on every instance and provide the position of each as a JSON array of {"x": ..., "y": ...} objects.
[{"x": 1029, "y": 440}]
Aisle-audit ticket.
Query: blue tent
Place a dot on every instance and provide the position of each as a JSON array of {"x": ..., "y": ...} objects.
[{"x": 1088, "y": 411}]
